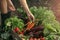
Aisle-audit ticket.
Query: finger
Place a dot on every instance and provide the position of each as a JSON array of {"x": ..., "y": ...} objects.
[
  {"x": 32, "y": 18},
  {"x": 12, "y": 9},
  {"x": 29, "y": 18}
]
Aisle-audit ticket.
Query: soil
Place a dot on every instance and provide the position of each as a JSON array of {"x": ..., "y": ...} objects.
[{"x": 56, "y": 9}]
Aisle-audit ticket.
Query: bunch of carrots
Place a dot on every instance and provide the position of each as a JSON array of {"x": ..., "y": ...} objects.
[{"x": 30, "y": 25}]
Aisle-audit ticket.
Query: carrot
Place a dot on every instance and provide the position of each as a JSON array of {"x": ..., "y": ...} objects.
[{"x": 30, "y": 25}]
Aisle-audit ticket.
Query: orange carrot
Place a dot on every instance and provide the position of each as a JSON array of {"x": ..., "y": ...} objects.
[{"x": 30, "y": 25}]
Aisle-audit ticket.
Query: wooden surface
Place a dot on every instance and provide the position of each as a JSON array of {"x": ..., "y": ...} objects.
[{"x": 56, "y": 9}]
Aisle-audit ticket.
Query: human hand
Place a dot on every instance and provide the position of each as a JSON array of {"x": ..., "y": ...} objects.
[
  {"x": 12, "y": 8},
  {"x": 10, "y": 5},
  {"x": 31, "y": 17}
]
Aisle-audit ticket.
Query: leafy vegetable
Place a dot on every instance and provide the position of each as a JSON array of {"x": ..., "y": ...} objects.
[
  {"x": 5, "y": 35},
  {"x": 14, "y": 22},
  {"x": 47, "y": 18}
]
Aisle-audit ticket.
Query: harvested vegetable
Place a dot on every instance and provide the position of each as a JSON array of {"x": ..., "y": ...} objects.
[
  {"x": 30, "y": 25},
  {"x": 22, "y": 32},
  {"x": 14, "y": 22},
  {"x": 43, "y": 16},
  {"x": 16, "y": 29}
]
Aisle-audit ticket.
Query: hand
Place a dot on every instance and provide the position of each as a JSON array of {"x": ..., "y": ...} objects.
[
  {"x": 31, "y": 17},
  {"x": 10, "y": 5},
  {"x": 12, "y": 8}
]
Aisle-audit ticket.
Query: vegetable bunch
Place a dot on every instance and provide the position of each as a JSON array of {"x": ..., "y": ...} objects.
[
  {"x": 14, "y": 22},
  {"x": 47, "y": 18}
]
